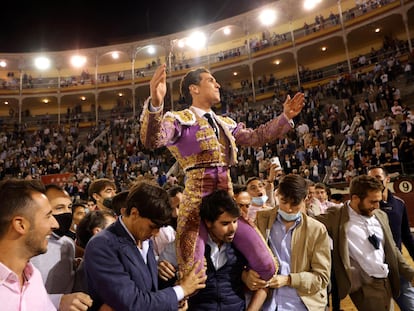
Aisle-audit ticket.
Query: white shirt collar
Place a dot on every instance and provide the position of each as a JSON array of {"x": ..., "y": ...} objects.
[
  {"x": 144, "y": 244},
  {"x": 200, "y": 112},
  {"x": 218, "y": 255}
]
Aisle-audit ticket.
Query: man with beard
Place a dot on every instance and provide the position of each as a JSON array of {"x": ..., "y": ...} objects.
[
  {"x": 25, "y": 223},
  {"x": 225, "y": 264},
  {"x": 367, "y": 263},
  {"x": 57, "y": 266}
]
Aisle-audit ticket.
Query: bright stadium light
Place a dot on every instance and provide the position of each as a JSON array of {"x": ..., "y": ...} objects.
[{"x": 42, "y": 63}]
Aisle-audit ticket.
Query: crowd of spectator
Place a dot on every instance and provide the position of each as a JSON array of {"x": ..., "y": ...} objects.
[
  {"x": 180, "y": 62},
  {"x": 347, "y": 125}
]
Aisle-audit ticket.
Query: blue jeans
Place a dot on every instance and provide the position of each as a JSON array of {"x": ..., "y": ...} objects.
[{"x": 406, "y": 299}]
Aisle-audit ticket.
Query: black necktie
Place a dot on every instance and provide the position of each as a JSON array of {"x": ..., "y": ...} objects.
[{"x": 211, "y": 122}]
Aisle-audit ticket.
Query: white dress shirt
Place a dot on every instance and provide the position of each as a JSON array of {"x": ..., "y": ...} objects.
[{"x": 371, "y": 260}]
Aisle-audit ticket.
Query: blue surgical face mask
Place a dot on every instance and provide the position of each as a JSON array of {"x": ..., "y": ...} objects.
[
  {"x": 289, "y": 217},
  {"x": 259, "y": 200}
]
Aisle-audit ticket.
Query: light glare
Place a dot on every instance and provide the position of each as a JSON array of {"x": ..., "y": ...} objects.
[
  {"x": 181, "y": 44},
  {"x": 42, "y": 63},
  {"x": 151, "y": 50},
  {"x": 310, "y": 4},
  {"x": 267, "y": 17},
  {"x": 197, "y": 40},
  {"x": 78, "y": 61}
]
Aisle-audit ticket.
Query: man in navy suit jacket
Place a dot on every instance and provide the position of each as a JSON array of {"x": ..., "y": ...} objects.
[{"x": 120, "y": 265}]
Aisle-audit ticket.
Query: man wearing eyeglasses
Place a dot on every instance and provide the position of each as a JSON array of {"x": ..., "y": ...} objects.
[{"x": 366, "y": 262}]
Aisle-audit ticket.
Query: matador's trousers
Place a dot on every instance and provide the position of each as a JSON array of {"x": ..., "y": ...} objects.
[{"x": 192, "y": 235}]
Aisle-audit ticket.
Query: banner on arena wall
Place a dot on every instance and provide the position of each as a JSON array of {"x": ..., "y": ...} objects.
[{"x": 57, "y": 179}]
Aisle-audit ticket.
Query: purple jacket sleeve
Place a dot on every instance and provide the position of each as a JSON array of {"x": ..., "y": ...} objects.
[
  {"x": 156, "y": 130},
  {"x": 252, "y": 245},
  {"x": 265, "y": 133}
]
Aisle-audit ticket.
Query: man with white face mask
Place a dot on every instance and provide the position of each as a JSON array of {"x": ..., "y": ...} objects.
[
  {"x": 301, "y": 246},
  {"x": 257, "y": 190}
]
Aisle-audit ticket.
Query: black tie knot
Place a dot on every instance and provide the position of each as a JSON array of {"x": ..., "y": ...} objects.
[{"x": 211, "y": 122}]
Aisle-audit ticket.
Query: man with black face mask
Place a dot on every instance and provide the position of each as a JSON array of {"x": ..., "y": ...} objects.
[
  {"x": 101, "y": 191},
  {"x": 57, "y": 264}
]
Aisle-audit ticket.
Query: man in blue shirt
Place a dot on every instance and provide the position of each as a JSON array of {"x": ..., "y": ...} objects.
[{"x": 301, "y": 245}]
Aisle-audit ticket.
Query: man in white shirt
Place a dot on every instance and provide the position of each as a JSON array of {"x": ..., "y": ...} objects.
[
  {"x": 367, "y": 263},
  {"x": 224, "y": 289},
  {"x": 384, "y": 78},
  {"x": 166, "y": 236},
  {"x": 259, "y": 154},
  {"x": 362, "y": 60},
  {"x": 378, "y": 123},
  {"x": 321, "y": 193},
  {"x": 407, "y": 72}
]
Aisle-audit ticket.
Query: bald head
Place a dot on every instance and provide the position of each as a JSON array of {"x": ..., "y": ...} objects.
[
  {"x": 59, "y": 200},
  {"x": 243, "y": 200}
]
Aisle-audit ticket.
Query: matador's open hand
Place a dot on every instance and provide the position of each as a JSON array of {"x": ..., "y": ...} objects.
[{"x": 293, "y": 106}]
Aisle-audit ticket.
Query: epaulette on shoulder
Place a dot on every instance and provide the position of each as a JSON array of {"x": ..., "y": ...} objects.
[
  {"x": 228, "y": 121},
  {"x": 185, "y": 117}
]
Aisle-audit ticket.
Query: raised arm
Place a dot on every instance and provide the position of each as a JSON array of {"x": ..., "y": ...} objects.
[
  {"x": 156, "y": 130},
  {"x": 274, "y": 129},
  {"x": 293, "y": 106},
  {"x": 158, "y": 86}
]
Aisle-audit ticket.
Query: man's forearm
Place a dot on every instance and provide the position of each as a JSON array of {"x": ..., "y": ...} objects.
[{"x": 258, "y": 298}]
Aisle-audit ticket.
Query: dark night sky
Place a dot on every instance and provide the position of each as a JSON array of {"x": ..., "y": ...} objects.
[{"x": 43, "y": 26}]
